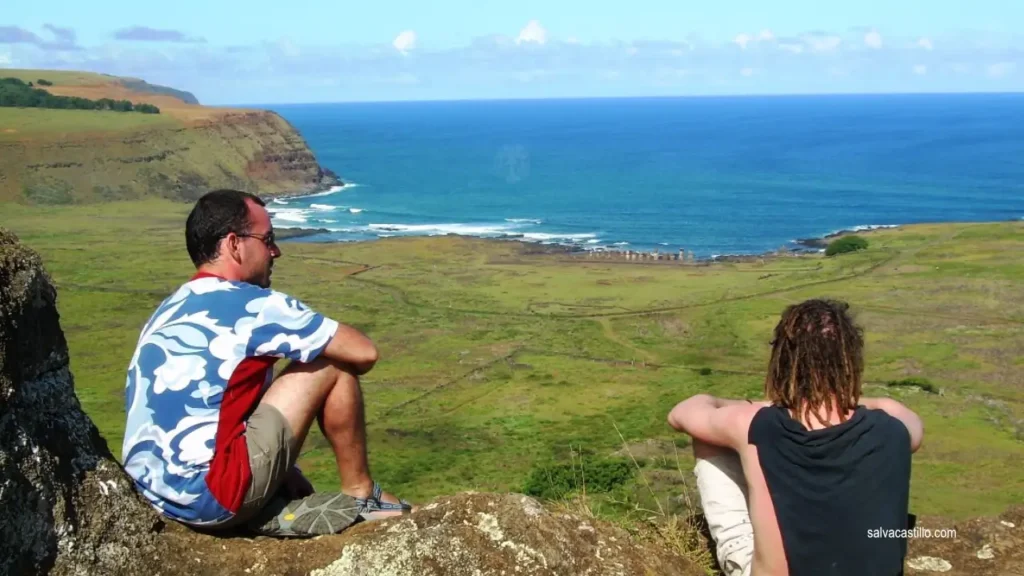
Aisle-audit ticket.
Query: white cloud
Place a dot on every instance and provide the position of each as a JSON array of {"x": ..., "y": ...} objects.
[
  {"x": 288, "y": 48},
  {"x": 743, "y": 40},
  {"x": 925, "y": 43},
  {"x": 747, "y": 72},
  {"x": 5, "y": 59},
  {"x": 791, "y": 47},
  {"x": 1001, "y": 69},
  {"x": 822, "y": 42},
  {"x": 920, "y": 69},
  {"x": 873, "y": 40},
  {"x": 532, "y": 32},
  {"x": 405, "y": 41}
]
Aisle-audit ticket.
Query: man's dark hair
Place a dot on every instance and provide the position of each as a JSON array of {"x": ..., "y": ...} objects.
[
  {"x": 817, "y": 357},
  {"x": 214, "y": 216}
]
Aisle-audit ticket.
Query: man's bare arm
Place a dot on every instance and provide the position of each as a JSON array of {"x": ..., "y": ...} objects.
[
  {"x": 352, "y": 347},
  {"x": 911, "y": 420},
  {"x": 717, "y": 421}
]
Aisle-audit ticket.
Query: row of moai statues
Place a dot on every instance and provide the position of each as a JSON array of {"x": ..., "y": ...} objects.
[{"x": 681, "y": 256}]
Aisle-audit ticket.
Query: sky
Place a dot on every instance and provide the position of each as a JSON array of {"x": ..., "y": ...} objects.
[{"x": 303, "y": 51}]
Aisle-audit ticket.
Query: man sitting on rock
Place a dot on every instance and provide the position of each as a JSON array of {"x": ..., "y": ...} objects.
[
  {"x": 212, "y": 437},
  {"x": 801, "y": 484}
]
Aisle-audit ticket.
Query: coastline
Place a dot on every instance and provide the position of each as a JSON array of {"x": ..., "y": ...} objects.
[{"x": 800, "y": 247}]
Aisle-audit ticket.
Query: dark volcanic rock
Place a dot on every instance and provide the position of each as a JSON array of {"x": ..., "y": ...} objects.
[{"x": 66, "y": 507}]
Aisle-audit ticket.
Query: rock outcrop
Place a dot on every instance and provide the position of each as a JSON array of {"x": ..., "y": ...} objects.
[
  {"x": 472, "y": 534},
  {"x": 66, "y": 507},
  {"x": 986, "y": 545}
]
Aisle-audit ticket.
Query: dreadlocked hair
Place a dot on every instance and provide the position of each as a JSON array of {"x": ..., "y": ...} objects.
[{"x": 817, "y": 360}]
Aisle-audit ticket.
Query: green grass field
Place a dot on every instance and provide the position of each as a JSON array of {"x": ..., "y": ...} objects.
[
  {"x": 497, "y": 363},
  {"x": 17, "y": 123},
  {"x": 61, "y": 77}
]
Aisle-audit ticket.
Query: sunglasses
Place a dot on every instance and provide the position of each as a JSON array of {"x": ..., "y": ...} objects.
[{"x": 267, "y": 238}]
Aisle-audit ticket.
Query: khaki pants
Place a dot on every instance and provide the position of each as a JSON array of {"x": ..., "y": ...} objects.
[{"x": 723, "y": 495}]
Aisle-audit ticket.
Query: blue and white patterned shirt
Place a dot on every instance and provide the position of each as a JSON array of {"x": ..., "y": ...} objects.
[{"x": 202, "y": 362}]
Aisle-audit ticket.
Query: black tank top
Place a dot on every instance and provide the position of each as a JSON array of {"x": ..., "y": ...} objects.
[{"x": 838, "y": 492}]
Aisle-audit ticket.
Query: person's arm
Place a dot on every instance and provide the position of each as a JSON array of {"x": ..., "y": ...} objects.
[
  {"x": 713, "y": 420},
  {"x": 893, "y": 408},
  {"x": 352, "y": 347}
]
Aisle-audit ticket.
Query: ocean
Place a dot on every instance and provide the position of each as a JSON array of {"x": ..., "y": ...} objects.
[{"x": 713, "y": 176}]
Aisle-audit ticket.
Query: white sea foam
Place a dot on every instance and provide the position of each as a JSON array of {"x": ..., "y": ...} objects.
[
  {"x": 864, "y": 228},
  {"x": 621, "y": 244},
  {"x": 355, "y": 210},
  {"x": 279, "y": 201},
  {"x": 294, "y": 215},
  {"x": 524, "y": 221},
  {"x": 442, "y": 229},
  {"x": 593, "y": 241},
  {"x": 867, "y": 227},
  {"x": 328, "y": 192},
  {"x": 324, "y": 207},
  {"x": 549, "y": 237}
]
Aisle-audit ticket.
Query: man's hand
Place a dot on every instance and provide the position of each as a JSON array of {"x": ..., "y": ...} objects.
[{"x": 296, "y": 485}]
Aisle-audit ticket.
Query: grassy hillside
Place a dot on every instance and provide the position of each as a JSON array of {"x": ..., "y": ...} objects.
[
  {"x": 75, "y": 156},
  {"x": 498, "y": 365},
  {"x": 82, "y": 79}
]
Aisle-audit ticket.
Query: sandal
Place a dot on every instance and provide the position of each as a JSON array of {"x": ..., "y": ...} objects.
[
  {"x": 314, "y": 515},
  {"x": 373, "y": 508}
]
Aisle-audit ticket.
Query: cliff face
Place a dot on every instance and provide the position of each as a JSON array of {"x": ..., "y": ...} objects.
[{"x": 256, "y": 151}]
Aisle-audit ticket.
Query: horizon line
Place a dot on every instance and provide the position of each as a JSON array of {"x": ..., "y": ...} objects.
[{"x": 1018, "y": 92}]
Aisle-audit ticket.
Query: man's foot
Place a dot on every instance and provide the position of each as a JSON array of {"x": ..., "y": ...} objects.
[{"x": 378, "y": 505}]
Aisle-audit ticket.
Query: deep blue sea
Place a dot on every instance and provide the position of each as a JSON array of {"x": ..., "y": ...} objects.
[{"x": 713, "y": 176}]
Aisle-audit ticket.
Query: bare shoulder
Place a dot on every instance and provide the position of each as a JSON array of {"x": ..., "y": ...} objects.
[{"x": 738, "y": 418}]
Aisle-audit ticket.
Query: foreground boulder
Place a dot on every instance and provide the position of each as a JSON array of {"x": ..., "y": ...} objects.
[
  {"x": 66, "y": 507},
  {"x": 472, "y": 534},
  {"x": 986, "y": 545}
]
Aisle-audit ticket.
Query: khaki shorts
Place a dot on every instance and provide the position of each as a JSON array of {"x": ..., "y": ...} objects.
[{"x": 273, "y": 451}]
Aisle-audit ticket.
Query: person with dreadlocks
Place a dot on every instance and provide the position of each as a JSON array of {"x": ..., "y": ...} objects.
[{"x": 805, "y": 482}]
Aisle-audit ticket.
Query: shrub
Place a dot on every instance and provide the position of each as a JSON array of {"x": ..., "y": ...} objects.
[
  {"x": 16, "y": 93},
  {"x": 705, "y": 371},
  {"x": 555, "y": 481},
  {"x": 846, "y": 244},
  {"x": 58, "y": 193},
  {"x": 923, "y": 383},
  {"x": 42, "y": 82}
]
